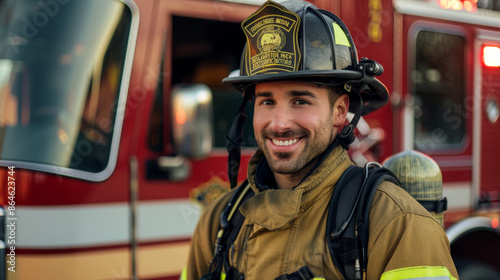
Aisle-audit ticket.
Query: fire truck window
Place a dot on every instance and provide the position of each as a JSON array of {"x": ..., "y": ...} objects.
[
  {"x": 203, "y": 52},
  {"x": 438, "y": 87},
  {"x": 60, "y": 74}
]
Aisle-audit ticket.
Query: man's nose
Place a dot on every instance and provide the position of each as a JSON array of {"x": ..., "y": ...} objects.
[{"x": 281, "y": 119}]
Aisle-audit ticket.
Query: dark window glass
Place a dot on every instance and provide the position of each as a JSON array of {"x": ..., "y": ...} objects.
[
  {"x": 61, "y": 66},
  {"x": 206, "y": 51},
  {"x": 438, "y": 87}
]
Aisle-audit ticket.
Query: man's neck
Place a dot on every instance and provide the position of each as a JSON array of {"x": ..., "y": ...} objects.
[{"x": 289, "y": 181}]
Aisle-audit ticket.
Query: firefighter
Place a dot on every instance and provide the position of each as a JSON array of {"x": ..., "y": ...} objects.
[{"x": 300, "y": 70}]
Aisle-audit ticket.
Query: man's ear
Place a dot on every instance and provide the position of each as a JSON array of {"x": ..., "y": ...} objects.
[{"x": 340, "y": 110}]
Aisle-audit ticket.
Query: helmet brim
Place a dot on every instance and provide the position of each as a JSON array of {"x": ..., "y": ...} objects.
[{"x": 373, "y": 99}]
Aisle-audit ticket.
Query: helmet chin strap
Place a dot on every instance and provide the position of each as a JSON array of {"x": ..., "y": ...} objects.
[
  {"x": 347, "y": 134},
  {"x": 234, "y": 140}
]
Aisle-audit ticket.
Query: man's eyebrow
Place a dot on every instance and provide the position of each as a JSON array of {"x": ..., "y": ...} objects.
[
  {"x": 291, "y": 93},
  {"x": 302, "y": 93},
  {"x": 263, "y": 94}
]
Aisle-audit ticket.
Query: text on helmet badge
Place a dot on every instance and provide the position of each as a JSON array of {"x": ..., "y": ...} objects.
[{"x": 272, "y": 45}]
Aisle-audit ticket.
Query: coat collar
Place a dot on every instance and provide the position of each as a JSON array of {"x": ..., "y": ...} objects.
[{"x": 274, "y": 209}]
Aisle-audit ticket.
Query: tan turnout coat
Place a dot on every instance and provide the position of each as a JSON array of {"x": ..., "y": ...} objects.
[{"x": 285, "y": 229}]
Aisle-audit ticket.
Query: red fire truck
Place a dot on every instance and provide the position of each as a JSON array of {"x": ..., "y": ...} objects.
[{"x": 113, "y": 117}]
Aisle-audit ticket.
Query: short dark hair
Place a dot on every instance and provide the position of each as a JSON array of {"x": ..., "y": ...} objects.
[{"x": 334, "y": 93}]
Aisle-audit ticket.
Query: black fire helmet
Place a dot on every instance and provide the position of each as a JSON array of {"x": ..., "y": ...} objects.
[{"x": 294, "y": 40}]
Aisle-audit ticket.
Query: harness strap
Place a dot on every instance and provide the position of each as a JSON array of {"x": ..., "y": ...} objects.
[
  {"x": 237, "y": 220},
  {"x": 231, "y": 221},
  {"x": 347, "y": 223},
  {"x": 303, "y": 273},
  {"x": 375, "y": 175},
  {"x": 438, "y": 206},
  {"x": 341, "y": 233}
]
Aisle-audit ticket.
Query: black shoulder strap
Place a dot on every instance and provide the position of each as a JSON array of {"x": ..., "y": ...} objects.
[
  {"x": 231, "y": 221},
  {"x": 347, "y": 225}
]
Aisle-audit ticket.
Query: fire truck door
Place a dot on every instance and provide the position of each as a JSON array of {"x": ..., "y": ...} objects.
[{"x": 486, "y": 117}]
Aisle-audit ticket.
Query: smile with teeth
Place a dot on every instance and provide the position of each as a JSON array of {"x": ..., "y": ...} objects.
[{"x": 284, "y": 143}]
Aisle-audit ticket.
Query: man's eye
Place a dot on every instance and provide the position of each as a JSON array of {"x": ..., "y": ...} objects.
[
  {"x": 301, "y": 102},
  {"x": 267, "y": 102}
]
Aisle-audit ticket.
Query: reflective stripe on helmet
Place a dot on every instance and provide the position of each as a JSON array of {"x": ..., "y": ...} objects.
[
  {"x": 340, "y": 37},
  {"x": 419, "y": 272}
]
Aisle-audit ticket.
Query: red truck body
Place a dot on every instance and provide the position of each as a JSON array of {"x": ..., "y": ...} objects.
[{"x": 103, "y": 175}]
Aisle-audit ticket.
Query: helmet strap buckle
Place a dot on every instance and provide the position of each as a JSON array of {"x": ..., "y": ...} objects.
[
  {"x": 347, "y": 135},
  {"x": 347, "y": 87}
]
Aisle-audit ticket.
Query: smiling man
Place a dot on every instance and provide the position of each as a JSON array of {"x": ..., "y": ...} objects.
[
  {"x": 294, "y": 124},
  {"x": 300, "y": 69}
]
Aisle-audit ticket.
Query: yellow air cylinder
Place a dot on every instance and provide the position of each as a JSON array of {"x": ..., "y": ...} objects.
[{"x": 420, "y": 176}]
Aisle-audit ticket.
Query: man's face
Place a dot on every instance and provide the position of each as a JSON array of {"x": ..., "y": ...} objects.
[{"x": 294, "y": 122}]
